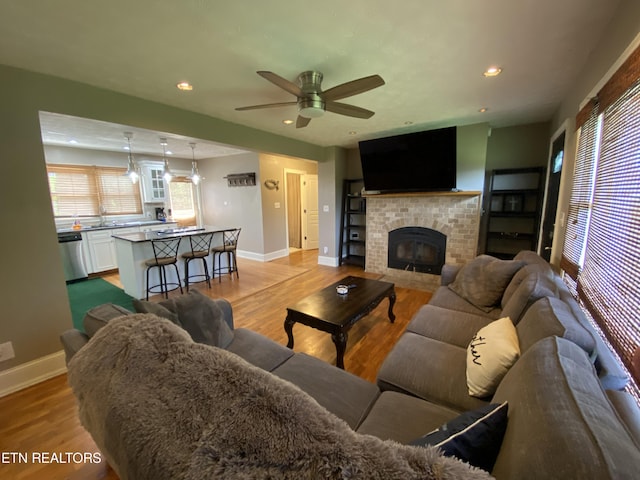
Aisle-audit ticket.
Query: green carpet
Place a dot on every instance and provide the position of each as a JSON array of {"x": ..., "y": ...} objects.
[{"x": 89, "y": 293}]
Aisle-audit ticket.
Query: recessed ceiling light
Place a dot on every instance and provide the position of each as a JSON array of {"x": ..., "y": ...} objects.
[
  {"x": 492, "y": 72},
  {"x": 287, "y": 122},
  {"x": 73, "y": 141},
  {"x": 483, "y": 109},
  {"x": 352, "y": 132},
  {"x": 185, "y": 86}
]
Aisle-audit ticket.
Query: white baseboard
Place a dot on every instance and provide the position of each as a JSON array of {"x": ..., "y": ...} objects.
[
  {"x": 328, "y": 261},
  {"x": 260, "y": 257},
  {"x": 277, "y": 254},
  {"x": 30, "y": 373}
]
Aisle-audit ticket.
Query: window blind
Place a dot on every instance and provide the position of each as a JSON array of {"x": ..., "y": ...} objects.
[
  {"x": 580, "y": 202},
  {"x": 182, "y": 201},
  {"x": 118, "y": 195},
  {"x": 609, "y": 284},
  {"x": 73, "y": 191},
  {"x": 80, "y": 191}
]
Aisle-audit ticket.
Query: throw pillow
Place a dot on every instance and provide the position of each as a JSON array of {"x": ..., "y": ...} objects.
[
  {"x": 203, "y": 319},
  {"x": 490, "y": 354},
  {"x": 196, "y": 313},
  {"x": 474, "y": 436},
  {"x": 482, "y": 281},
  {"x": 143, "y": 306}
]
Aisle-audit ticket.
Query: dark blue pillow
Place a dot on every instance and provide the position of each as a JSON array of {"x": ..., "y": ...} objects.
[{"x": 474, "y": 436}]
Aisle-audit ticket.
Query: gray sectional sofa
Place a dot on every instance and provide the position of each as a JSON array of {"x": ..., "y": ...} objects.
[{"x": 567, "y": 417}]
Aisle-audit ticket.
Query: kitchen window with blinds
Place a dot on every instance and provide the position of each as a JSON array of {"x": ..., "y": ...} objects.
[{"x": 81, "y": 191}]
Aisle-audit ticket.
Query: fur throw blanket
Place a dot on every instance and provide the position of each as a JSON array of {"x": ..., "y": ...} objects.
[{"x": 160, "y": 406}]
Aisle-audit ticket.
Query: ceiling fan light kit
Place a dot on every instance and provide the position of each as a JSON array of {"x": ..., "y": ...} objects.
[{"x": 312, "y": 101}]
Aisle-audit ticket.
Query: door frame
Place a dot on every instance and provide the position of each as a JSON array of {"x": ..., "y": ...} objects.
[
  {"x": 286, "y": 199},
  {"x": 305, "y": 211},
  {"x": 559, "y": 220}
]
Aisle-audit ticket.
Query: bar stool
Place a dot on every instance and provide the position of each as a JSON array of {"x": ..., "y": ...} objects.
[
  {"x": 228, "y": 247},
  {"x": 165, "y": 252},
  {"x": 200, "y": 246}
]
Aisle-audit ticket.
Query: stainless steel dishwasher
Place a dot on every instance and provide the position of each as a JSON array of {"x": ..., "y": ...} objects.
[{"x": 70, "y": 244}]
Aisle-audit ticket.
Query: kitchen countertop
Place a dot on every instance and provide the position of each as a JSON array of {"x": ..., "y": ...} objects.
[
  {"x": 91, "y": 228},
  {"x": 138, "y": 237}
]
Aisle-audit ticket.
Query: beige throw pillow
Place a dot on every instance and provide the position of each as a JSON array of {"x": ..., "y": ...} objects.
[
  {"x": 490, "y": 354},
  {"x": 483, "y": 280}
]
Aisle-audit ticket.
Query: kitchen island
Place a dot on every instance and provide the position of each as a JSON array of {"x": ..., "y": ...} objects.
[{"x": 133, "y": 249}]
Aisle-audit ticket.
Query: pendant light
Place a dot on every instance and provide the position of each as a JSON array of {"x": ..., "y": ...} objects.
[
  {"x": 195, "y": 176},
  {"x": 166, "y": 171},
  {"x": 132, "y": 170}
]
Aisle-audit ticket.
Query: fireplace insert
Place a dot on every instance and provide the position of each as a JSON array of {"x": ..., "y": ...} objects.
[{"x": 417, "y": 249}]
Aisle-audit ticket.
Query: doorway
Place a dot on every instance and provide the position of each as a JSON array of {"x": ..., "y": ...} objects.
[
  {"x": 301, "y": 194},
  {"x": 552, "y": 192}
]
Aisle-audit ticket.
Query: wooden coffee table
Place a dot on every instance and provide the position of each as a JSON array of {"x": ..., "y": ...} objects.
[{"x": 333, "y": 313}]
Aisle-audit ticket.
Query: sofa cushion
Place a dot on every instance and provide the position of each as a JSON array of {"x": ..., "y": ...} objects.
[
  {"x": 258, "y": 349},
  {"x": 473, "y": 436},
  {"x": 556, "y": 405},
  {"x": 345, "y": 395},
  {"x": 628, "y": 411},
  {"x": 531, "y": 258},
  {"x": 521, "y": 275},
  {"x": 482, "y": 280},
  {"x": 533, "y": 287},
  {"x": 429, "y": 369},
  {"x": 166, "y": 407},
  {"x": 444, "y": 297},
  {"x": 551, "y": 316},
  {"x": 99, "y": 316},
  {"x": 456, "y": 328},
  {"x": 612, "y": 376},
  {"x": 400, "y": 417},
  {"x": 490, "y": 354}
]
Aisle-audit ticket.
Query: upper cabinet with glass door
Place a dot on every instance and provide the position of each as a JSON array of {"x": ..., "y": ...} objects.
[{"x": 154, "y": 189}]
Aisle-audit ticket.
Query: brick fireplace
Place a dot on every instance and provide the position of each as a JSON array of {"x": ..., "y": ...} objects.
[{"x": 454, "y": 214}]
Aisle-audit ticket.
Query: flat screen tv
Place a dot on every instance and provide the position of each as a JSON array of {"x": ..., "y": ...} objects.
[{"x": 414, "y": 162}]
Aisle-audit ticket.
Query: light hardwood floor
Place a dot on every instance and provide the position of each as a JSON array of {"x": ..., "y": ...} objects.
[{"x": 44, "y": 418}]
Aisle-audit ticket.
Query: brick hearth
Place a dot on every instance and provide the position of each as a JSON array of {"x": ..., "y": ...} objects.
[{"x": 456, "y": 214}]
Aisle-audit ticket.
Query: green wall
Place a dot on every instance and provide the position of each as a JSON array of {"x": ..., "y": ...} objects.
[
  {"x": 518, "y": 147},
  {"x": 35, "y": 306}
]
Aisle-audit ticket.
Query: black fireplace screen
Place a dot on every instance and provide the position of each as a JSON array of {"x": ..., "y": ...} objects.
[{"x": 417, "y": 249}]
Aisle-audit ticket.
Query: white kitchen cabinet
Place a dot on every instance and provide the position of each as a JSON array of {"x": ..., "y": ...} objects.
[
  {"x": 154, "y": 188},
  {"x": 102, "y": 250}
]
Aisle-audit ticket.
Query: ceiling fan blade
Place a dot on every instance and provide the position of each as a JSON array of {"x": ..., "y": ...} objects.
[
  {"x": 302, "y": 122},
  {"x": 266, "y": 105},
  {"x": 283, "y": 83},
  {"x": 348, "y": 110},
  {"x": 353, "y": 87}
]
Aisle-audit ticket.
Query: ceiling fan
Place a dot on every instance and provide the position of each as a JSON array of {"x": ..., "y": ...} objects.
[{"x": 312, "y": 102}]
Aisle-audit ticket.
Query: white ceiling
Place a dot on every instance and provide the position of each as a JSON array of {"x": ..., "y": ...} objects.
[
  {"x": 431, "y": 53},
  {"x": 74, "y": 132}
]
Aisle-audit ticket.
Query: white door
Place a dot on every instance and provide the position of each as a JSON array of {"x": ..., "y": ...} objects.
[{"x": 310, "y": 220}]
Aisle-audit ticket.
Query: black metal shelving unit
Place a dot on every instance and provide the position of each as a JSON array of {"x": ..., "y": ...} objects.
[
  {"x": 515, "y": 203},
  {"x": 353, "y": 224}
]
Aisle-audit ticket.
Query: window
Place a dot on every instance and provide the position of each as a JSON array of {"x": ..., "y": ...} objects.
[
  {"x": 182, "y": 201},
  {"x": 601, "y": 254},
  {"x": 83, "y": 191}
]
